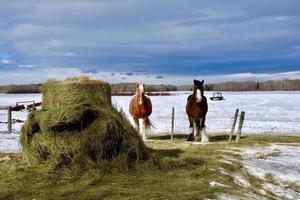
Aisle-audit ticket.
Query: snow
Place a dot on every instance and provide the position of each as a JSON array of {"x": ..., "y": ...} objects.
[
  {"x": 216, "y": 184},
  {"x": 241, "y": 180},
  {"x": 9, "y": 143},
  {"x": 283, "y": 166},
  {"x": 266, "y": 112},
  {"x": 10, "y": 100},
  {"x": 5, "y": 158},
  {"x": 276, "y": 165},
  {"x": 281, "y": 161},
  {"x": 282, "y": 192}
]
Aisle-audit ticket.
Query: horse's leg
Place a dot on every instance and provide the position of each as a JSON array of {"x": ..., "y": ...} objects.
[
  {"x": 191, "y": 130},
  {"x": 195, "y": 130},
  {"x": 137, "y": 124},
  {"x": 198, "y": 126},
  {"x": 146, "y": 127},
  {"x": 204, "y": 136}
]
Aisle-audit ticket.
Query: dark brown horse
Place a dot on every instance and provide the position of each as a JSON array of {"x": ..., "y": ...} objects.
[
  {"x": 196, "y": 109},
  {"x": 140, "y": 107}
]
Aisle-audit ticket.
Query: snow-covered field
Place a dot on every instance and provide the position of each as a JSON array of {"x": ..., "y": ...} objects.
[
  {"x": 277, "y": 166},
  {"x": 266, "y": 112}
]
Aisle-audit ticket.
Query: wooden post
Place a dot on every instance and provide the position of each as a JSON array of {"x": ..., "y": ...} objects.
[
  {"x": 9, "y": 120},
  {"x": 173, "y": 120},
  {"x": 238, "y": 134},
  {"x": 233, "y": 124}
]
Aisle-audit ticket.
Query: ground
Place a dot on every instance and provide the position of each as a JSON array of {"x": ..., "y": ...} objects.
[{"x": 177, "y": 170}]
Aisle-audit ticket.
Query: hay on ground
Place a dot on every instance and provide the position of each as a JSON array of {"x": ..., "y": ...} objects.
[{"x": 78, "y": 127}]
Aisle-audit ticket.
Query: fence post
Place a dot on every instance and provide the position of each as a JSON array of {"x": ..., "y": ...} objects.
[
  {"x": 173, "y": 120},
  {"x": 233, "y": 124},
  {"x": 9, "y": 120},
  {"x": 238, "y": 135}
]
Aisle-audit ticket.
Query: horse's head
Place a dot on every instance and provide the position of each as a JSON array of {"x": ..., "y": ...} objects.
[
  {"x": 140, "y": 92},
  {"x": 198, "y": 90}
]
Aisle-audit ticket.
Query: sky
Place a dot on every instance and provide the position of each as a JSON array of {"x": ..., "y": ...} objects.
[{"x": 169, "y": 41}]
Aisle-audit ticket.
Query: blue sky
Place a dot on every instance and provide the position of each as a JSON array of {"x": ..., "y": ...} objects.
[{"x": 170, "y": 41}]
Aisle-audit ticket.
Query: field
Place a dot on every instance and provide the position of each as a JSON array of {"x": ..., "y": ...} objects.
[
  {"x": 178, "y": 170},
  {"x": 266, "y": 112},
  {"x": 263, "y": 165}
]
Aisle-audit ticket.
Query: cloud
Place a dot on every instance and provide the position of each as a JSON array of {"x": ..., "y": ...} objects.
[
  {"x": 171, "y": 37},
  {"x": 27, "y": 66},
  {"x": 6, "y": 61},
  {"x": 38, "y": 75}
]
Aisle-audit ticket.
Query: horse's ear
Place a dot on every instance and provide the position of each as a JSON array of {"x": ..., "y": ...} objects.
[
  {"x": 195, "y": 81},
  {"x": 137, "y": 85},
  {"x": 202, "y": 82}
]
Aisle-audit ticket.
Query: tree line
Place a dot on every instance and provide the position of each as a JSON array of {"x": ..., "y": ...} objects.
[
  {"x": 23, "y": 88},
  {"x": 281, "y": 85}
]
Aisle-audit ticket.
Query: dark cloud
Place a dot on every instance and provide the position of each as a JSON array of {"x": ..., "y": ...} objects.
[
  {"x": 92, "y": 71},
  {"x": 159, "y": 77}
]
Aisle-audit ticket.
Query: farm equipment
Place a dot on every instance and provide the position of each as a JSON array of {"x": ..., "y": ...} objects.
[
  {"x": 32, "y": 107},
  {"x": 17, "y": 107},
  {"x": 21, "y": 106},
  {"x": 217, "y": 96}
]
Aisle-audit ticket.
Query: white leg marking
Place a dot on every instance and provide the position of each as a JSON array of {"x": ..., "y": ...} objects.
[
  {"x": 195, "y": 130},
  {"x": 204, "y": 136},
  {"x": 144, "y": 134}
]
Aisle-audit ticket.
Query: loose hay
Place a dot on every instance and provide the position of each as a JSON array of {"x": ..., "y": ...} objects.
[{"x": 78, "y": 127}]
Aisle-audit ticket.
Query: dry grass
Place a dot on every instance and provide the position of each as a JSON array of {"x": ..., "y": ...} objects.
[{"x": 177, "y": 170}]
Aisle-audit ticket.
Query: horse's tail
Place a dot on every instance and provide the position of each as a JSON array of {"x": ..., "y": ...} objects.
[{"x": 148, "y": 123}]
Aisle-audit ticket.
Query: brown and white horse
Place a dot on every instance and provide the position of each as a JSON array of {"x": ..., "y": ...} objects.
[
  {"x": 140, "y": 107},
  {"x": 196, "y": 109}
]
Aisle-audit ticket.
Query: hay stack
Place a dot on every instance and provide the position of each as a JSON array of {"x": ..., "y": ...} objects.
[{"x": 78, "y": 127}]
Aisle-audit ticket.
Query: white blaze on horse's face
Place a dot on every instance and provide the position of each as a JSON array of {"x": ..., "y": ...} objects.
[
  {"x": 198, "y": 96},
  {"x": 140, "y": 91}
]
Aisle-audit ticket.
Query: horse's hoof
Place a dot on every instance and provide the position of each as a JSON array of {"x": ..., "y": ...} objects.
[{"x": 190, "y": 138}]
